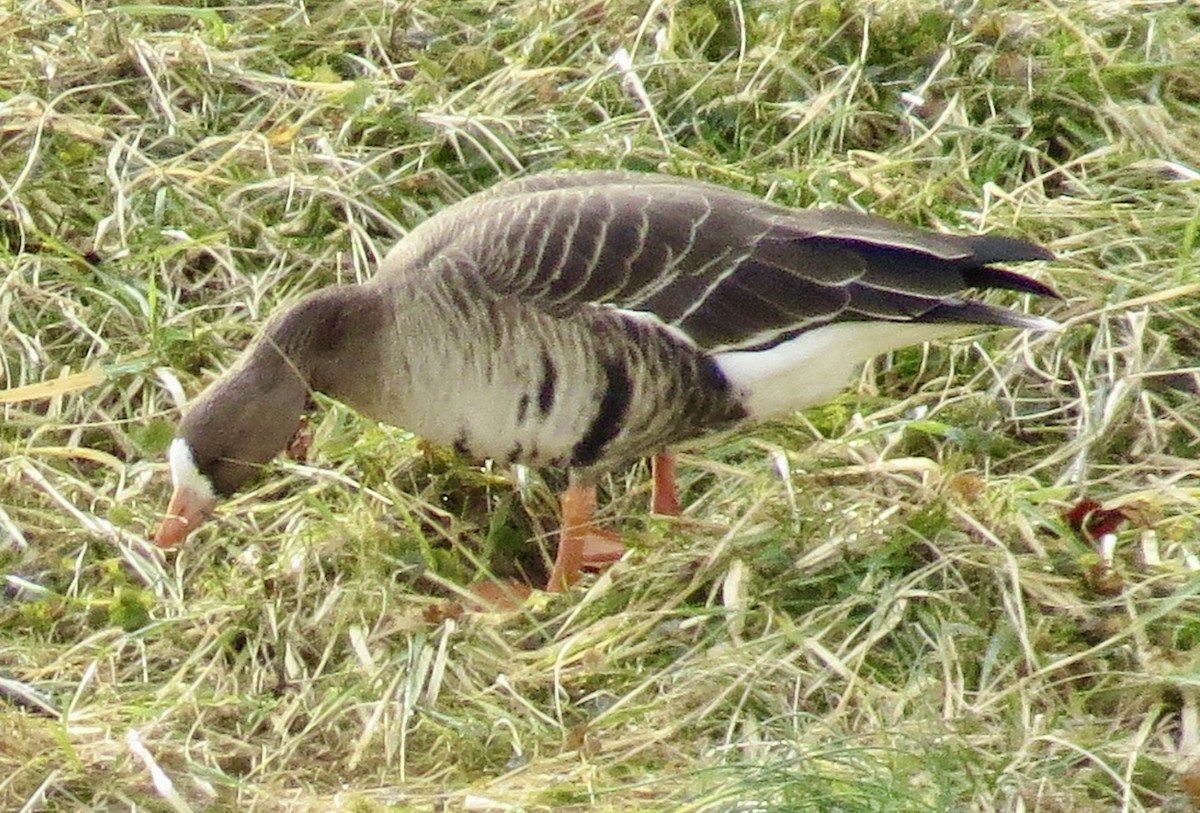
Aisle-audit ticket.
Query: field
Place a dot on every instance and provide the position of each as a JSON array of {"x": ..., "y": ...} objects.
[{"x": 970, "y": 583}]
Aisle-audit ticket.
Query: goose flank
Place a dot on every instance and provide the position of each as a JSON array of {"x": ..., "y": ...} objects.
[{"x": 581, "y": 320}]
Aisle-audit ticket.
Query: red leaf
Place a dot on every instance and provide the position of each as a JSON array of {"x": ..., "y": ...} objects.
[{"x": 1091, "y": 520}]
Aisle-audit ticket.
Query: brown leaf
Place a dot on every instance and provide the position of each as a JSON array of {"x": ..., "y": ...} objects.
[
  {"x": 1190, "y": 782},
  {"x": 1103, "y": 579},
  {"x": 580, "y": 738},
  {"x": 967, "y": 486},
  {"x": 297, "y": 448},
  {"x": 437, "y": 613}
]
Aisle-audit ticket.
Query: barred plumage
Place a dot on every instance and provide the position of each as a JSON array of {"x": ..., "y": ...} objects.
[{"x": 579, "y": 320}]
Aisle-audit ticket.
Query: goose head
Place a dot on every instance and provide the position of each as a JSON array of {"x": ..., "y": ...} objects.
[
  {"x": 248, "y": 415},
  {"x": 231, "y": 430}
]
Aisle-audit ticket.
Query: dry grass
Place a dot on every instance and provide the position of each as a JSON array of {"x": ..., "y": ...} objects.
[{"x": 878, "y": 606}]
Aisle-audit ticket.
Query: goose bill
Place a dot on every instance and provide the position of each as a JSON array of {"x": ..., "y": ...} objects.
[
  {"x": 187, "y": 509},
  {"x": 192, "y": 500}
]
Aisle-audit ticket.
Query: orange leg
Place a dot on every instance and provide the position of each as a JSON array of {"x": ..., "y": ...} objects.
[
  {"x": 664, "y": 496},
  {"x": 580, "y": 542}
]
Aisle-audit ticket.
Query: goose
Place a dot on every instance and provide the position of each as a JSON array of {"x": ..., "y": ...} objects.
[{"x": 584, "y": 319}]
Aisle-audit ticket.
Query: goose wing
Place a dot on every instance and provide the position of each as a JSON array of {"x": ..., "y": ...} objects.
[{"x": 726, "y": 269}]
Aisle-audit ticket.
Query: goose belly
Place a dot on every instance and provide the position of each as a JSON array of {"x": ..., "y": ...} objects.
[
  {"x": 512, "y": 407},
  {"x": 585, "y": 392}
]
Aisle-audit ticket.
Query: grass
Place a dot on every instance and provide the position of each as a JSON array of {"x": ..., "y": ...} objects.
[{"x": 880, "y": 605}]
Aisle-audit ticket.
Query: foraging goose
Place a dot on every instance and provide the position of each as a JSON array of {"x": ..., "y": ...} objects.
[{"x": 581, "y": 320}]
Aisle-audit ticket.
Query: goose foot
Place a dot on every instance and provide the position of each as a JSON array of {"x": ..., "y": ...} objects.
[
  {"x": 600, "y": 549},
  {"x": 580, "y": 543}
]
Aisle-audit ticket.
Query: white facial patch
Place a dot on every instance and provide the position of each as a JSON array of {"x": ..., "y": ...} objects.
[{"x": 185, "y": 476}]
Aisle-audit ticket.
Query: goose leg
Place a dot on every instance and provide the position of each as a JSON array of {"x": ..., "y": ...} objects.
[
  {"x": 580, "y": 542},
  {"x": 664, "y": 494}
]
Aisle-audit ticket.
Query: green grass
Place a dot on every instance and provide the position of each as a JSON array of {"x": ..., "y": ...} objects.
[{"x": 903, "y": 621}]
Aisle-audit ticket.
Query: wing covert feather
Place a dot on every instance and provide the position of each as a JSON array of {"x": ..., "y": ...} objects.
[{"x": 723, "y": 267}]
